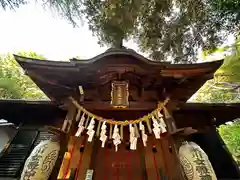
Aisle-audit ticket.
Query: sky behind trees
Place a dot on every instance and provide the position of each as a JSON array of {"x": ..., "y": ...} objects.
[{"x": 32, "y": 28}]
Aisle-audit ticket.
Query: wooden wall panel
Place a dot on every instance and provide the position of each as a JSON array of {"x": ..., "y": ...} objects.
[
  {"x": 161, "y": 164},
  {"x": 121, "y": 165},
  {"x": 77, "y": 141},
  {"x": 71, "y": 157},
  {"x": 86, "y": 160},
  {"x": 170, "y": 166},
  {"x": 149, "y": 161},
  {"x": 142, "y": 164},
  {"x": 160, "y": 159}
]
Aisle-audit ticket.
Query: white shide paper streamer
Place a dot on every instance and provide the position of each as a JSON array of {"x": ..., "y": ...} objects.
[
  {"x": 144, "y": 135},
  {"x": 80, "y": 126},
  {"x": 91, "y": 131},
  {"x": 116, "y": 137},
  {"x": 103, "y": 136}
]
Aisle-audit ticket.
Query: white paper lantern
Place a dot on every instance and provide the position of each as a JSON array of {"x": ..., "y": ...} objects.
[
  {"x": 40, "y": 163},
  {"x": 195, "y": 162}
]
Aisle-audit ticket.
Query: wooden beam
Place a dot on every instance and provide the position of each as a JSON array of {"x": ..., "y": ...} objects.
[
  {"x": 105, "y": 105},
  {"x": 86, "y": 160},
  {"x": 68, "y": 127},
  {"x": 174, "y": 141}
]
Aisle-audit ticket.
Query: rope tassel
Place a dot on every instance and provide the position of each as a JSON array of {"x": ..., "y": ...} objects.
[
  {"x": 125, "y": 122},
  {"x": 78, "y": 115},
  {"x": 98, "y": 128},
  {"x": 155, "y": 119}
]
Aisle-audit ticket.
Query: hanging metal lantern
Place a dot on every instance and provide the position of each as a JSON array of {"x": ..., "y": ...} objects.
[{"x": 119, "y": 94}]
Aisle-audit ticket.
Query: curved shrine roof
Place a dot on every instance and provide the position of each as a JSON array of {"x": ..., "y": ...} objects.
[{"x": 60, "y": 79}]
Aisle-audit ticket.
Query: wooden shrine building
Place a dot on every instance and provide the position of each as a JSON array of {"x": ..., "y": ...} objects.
[{"x": 113, "y": 95}]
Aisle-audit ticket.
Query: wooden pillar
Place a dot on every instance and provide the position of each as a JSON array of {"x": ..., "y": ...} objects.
[
  {"x": 173, "y": 140},
  {"x": 86, "y": 160},
  {"x": 149, "y": 161},
  {"x": 68, "y": 124},
  {"x": 67, "y": 128}
]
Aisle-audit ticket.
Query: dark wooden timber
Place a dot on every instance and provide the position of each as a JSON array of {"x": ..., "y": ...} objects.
[
  {"x": 197, "y": 115},
  {"x": 69, "y": 122},
  {"x": 70, "y": 119},
  {"x": 148, "y": 80},
  {"x": 173, "y": 140},
  {"x": 133, "y": 106},
  {"x": 185, "y": 114},
  {"x": 28, "y": 112}
]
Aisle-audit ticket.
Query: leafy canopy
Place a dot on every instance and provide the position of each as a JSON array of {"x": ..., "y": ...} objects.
[
  {"x": 225, "y": 87},
  {"x": 231, "y": 136},
  {"x": 166, "y": 28},
  {"x": 229, "y": 71},
  {"x": 13, "y": 83},
  {"x": 228, "y": 74}
]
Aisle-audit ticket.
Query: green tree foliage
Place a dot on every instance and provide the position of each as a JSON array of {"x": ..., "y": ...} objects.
[
  {"x": 227, "y": 7},
  {"x": 231, "y": 135},
  {"x": 31, "y": 55},
  {"x": 228, "y": 75},
  {"x": 13, "y": 83},
  {"x": 229, "y": 71},
  {"x": 166, "y": 28},
  {"x": 208, "y": 93},
  {"x": 225, "y": 87}
]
